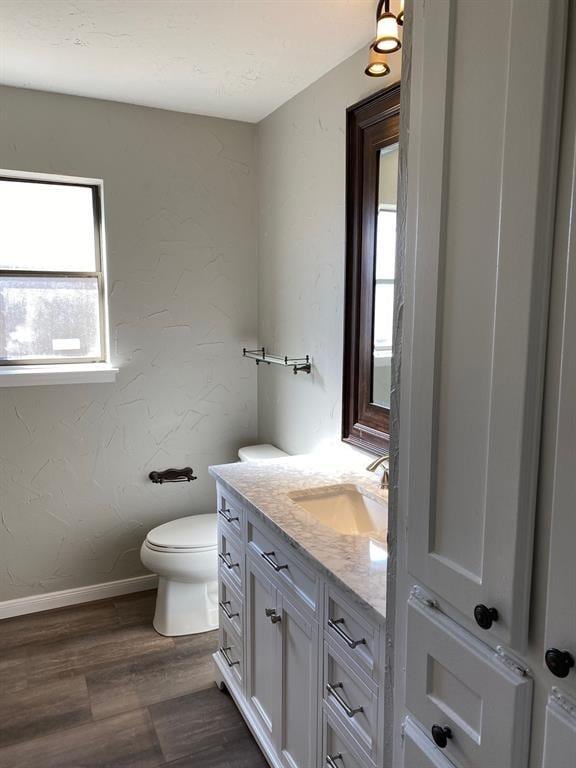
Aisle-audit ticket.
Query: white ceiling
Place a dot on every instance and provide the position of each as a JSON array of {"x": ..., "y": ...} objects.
[{"x": 237, "y": 59}]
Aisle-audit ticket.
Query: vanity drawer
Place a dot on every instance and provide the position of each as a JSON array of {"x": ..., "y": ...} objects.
[
  {"x": 459, "y": 683},
  {"x": 351, "y": 632},
  {"x": 419, "y": 751},
  {"x": 230, "y": 603},
  {"x": 289, "y": 571},
  {"x": 352, "y": 700},
  {"x": 337, "y": 751},
  {"x": 231, "y": 556},
  {"x": 230, "y": 512},
  {"x": 230, "y": 650}
]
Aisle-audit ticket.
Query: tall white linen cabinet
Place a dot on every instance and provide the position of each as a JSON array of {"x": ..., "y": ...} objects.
[{"x": 485, "y": 623}]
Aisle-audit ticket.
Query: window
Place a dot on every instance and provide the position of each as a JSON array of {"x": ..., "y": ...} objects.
[{"x": 52, "y": 283}]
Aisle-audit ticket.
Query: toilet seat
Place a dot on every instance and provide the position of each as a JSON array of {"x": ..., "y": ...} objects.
[
  {"x": 186, "y": 535},
  {"x": 179, "y": 550}
]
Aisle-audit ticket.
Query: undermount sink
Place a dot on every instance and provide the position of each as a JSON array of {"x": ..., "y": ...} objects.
[{"x": 344, "y": 508}]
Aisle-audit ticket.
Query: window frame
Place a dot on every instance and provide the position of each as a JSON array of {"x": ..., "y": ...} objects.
[
  {"x": 371, "y": 124},
  {"x": 96, "y": 187}
]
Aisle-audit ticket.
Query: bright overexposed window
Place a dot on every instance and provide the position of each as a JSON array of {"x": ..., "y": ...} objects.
[{"x": 52, "y": 290}]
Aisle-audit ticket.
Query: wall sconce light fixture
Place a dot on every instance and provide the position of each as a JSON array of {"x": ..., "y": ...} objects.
[
  {"x": 387, "y": 39},
  {"x": 377, "y": 64}
]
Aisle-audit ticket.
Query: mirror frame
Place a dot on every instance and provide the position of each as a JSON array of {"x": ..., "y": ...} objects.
[{"x": 371, "y": 124}]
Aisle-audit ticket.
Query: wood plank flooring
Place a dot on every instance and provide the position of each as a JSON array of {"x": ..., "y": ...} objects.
[{"x": 94, "y": 686}]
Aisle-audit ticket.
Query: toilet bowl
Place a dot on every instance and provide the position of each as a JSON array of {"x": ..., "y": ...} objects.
[{"x": 184, "y": 555}]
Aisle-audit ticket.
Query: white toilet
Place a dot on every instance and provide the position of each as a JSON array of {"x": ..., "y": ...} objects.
[{"x": 184, "y": 555}]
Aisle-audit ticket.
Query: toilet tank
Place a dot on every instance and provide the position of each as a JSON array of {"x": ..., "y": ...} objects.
[{"x": 260, "y": 452}]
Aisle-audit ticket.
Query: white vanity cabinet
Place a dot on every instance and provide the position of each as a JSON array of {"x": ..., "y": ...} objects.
[{"x": 302, "y": 659}]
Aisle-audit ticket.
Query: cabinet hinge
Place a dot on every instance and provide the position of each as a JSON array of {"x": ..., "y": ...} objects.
[
  {"x": 403, "y": 729},
  {"x": 567, "y": 703},
  {"x": 512, "y": 662},
  {"x": 419, "y": 594}
]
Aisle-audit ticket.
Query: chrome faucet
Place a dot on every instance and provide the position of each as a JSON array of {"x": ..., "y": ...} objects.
[{"x": 383, "y": 462}]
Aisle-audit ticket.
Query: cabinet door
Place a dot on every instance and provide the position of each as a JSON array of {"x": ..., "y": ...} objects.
[
  {"x": 481, "y": 168},
  {"x": 457, "y": 682},
  {"x": 561, "y": 603},
  {"x": 299, "y": 705},
  {"x": 560, "y": 735},
  {"x": 419, "y": 751},
  {"x": 263, "y": 679}
]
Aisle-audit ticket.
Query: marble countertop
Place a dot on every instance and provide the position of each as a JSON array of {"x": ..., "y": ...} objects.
[{"x": 355, "y": 562}]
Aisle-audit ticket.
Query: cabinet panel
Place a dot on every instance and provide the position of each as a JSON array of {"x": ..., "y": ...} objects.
[
  {"x": 350, "y": 632},
  {"x": 560, "y": 735},
  {"x": 336, "y": 747},
  {"x": 230, "y": 604},
  {"x": 479, "y": 299},
  {"x": 419, "y": 751},
  {"x": 231, "y": 651},
  {"x": 561, "y": 599},
  {"x": 230, "y": 555},
  {"x": 230, "y": 512},
  {"x": 263, "y": 679},
  {"x": 352, "y": 699},
  {"x": 283, "y": 565},
  {"x": 454, "y": 681},
  {"x": 299, "y": 706}
]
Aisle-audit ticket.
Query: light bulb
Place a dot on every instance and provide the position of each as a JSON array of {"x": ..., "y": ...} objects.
[
  {"x": 377, "y": 65},
  {"x": 400, "y": 17},
  {"x": 387, "y": 40}
]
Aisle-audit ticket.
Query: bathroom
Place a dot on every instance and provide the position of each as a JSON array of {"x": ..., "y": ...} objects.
[{"x": 368, "y": 559}]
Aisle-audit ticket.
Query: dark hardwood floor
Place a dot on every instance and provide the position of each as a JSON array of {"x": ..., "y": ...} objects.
[{"x": 94, "y": 686}]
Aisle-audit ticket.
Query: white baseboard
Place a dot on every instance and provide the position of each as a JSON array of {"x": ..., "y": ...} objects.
[{"x": 51, "y": 600}]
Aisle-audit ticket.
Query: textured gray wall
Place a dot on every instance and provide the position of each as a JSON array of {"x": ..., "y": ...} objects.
[
  {"x": 301, "y": 185},
  {"x": 179, "y": 192}
]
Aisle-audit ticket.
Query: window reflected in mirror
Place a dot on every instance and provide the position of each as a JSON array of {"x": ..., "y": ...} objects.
[
  {"x": 373, "y": 133},
  {"x": 384, "y": 275}
]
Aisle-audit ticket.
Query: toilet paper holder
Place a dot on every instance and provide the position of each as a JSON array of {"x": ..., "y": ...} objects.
[{"x": 184, "y": 475}]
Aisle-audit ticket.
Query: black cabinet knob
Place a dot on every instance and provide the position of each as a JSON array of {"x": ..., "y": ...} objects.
[
  {"x": 559, "y": 662},
  {"x": 441, "y": 734},
  {"x": 485, "y": 616}
]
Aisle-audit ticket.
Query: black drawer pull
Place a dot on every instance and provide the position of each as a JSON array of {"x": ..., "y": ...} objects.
[
  {"x": 350, "y": 642},
  {"x": 224, "y": 652},
  {"x": 225, "y": 514},
  {"x": 441, "y": 734},
  {"x": 485, "y": 616},
  {"x": 268, "y": 557},
  {"x": 228, "y": 562},
  {"x": 223, "y": 604},
  {"x": 559, "y": 662},
  {"x": 331, "y": 760},
  {"x": 350, "y": 711}
]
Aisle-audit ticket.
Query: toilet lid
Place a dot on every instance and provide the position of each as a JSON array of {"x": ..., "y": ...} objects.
[{"x": 197, "y": 532}]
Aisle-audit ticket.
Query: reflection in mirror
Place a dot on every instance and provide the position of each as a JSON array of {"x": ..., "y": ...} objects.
[
  {"x": 384, "y": 275},
  {"x": 372, "y": 132}
]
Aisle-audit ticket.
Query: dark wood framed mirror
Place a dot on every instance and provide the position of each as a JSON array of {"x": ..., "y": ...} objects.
[{"x": 373, "y": 131}]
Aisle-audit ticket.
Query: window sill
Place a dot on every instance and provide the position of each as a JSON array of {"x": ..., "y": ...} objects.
[{"x": 70, "y": 373}]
